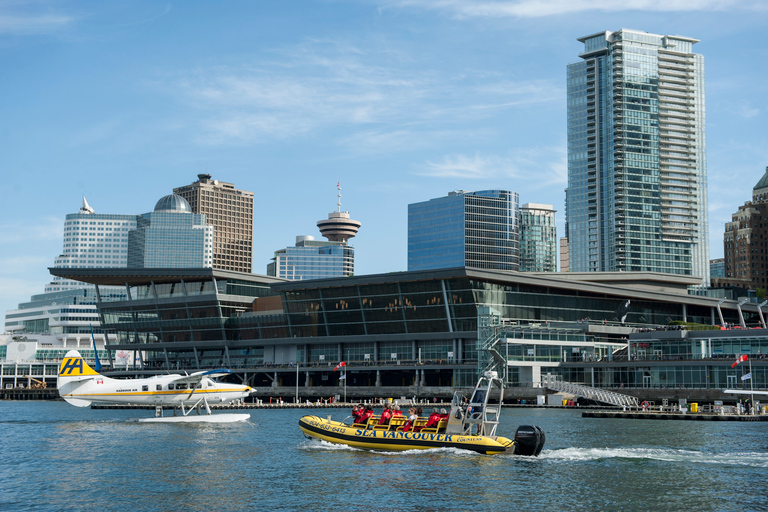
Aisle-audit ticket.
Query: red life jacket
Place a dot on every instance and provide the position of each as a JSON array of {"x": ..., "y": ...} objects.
[
  {"x": 433, "y": 420},
  {"x": 385, "y": 417}
]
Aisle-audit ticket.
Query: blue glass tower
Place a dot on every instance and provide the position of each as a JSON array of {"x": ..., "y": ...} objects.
[
  {"x": 636, "y": 198},
  {"x": 171, "y": 237},
  {"x": 465, "y": 229}
]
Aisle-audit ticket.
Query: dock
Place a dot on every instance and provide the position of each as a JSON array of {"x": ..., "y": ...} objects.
[{"x": 688, "y": 416}]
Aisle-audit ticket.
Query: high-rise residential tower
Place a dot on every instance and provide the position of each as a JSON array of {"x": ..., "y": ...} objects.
[
  {"x": 230, "y": 212},
  {"x": 538, "y": 238},
  {"x": 465, "y": 229},
  {"x": 637, "y": 180}
]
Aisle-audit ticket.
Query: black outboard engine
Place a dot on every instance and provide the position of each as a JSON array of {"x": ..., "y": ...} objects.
[{"x": 529, "y": 440}]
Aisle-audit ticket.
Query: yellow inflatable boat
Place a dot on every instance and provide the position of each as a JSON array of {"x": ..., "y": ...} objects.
[{"x": 471, "y": 425}]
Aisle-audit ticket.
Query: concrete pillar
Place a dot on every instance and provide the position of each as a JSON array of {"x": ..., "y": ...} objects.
[{"x": 378, "y": 378}]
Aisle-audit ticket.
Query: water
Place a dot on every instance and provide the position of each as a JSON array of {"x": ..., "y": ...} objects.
[{"x": 57, "y": 457}]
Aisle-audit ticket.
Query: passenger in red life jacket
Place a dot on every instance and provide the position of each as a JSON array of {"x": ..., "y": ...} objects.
[
  {"x": 396, "y": 411},
  {"x": 413, "y": 415},
  {"x": 432, "y": 421},
  {"x": 357, "y": 413},
  {"x": 443, "y": 414},
  {"x": 386, "y": 415},
  {"x": 367, "y": 413}
]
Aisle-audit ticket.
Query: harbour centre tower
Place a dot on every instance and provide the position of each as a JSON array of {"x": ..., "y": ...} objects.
[{"x": 637, "y": 180}]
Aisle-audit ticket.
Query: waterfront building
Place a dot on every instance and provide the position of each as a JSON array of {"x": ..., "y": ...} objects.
[
  {"x": 313, "y": 259},
  {"x": 746, "y": 259},
  {"x": 171, "y": 236},
  {"x": 426, "y": 333},
  {"x": 465, "y": 229},
  {"x": 637, "y": 180},
  {"x": 538, "y": 238},
  {"x": 92, "y": 240},
  {"x": 230, "y": 212}
]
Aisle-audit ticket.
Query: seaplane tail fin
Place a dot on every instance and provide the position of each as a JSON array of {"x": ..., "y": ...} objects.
[{"x": 72, "y": 373}]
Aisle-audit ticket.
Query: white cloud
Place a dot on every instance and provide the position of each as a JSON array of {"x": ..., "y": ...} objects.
[
  {"x": 321, "y": 85},
  {"x": 29, "y": 18},
  {"x": 541, "y": 8},
  {"x": 537, "y": 167}
]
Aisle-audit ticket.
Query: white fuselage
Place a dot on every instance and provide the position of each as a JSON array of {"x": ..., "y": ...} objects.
[{"x": 158, "y": 390}]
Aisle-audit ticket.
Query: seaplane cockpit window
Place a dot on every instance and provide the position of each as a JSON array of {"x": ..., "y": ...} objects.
[
  {"x": 170, "y": 386},
  {"x": 145, "y": 388},
  {"x": 181, "y": 386},
  {"x": 199, "y": 385},
  {"x": 159, "y": 387}
]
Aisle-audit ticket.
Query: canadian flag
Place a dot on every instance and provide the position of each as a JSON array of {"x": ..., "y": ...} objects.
[
  {"x": 741, "y": 359},
  {"x": 341, "y": 364}
]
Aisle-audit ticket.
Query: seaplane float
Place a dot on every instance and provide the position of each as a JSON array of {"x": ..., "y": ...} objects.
[
  {"x": 471, "y": 425},
  {"x": 81, "y": 386}
]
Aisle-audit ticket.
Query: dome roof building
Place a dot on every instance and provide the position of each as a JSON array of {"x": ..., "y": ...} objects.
[{"x": 173, "y": 203}]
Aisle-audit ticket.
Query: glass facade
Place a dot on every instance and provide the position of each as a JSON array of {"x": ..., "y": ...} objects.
[
  {"x": 636, "y": 198},
  {"x": 538, "y": 238},
  {"x": 465, "y": 229},
  {"x": 170, "y": 239},
  {"x": 311, "y": 259}
]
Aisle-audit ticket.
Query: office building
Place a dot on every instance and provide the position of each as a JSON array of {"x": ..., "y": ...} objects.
[
  {"x": 171, "y": 237},
  {"x": 717, "y": 268},
  {"x": 745, "y": 255},
  {"x": 313, "y": 259},
  {"x": 92, "y": 240},
  {"x": 538, "y": 238},
  {"x": 230, "y": 212},
  {"x": 637, "y": 180},
  {"x": 465, "y": 229}
]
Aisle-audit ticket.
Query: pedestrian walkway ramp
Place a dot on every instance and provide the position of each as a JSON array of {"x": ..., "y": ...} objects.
[{"x": 599, "y": 395}]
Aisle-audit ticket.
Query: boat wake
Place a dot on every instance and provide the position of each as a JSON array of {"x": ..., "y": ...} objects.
[{"x": 751, "y": 459}]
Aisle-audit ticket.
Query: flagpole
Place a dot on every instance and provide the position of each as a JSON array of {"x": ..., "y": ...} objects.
[{"x": 345, "y": 384}]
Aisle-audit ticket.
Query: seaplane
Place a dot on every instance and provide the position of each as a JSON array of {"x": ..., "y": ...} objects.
[{"x": 81, "y": 386}]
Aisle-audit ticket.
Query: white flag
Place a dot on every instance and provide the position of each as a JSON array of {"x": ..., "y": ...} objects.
[
  {"x": 343, "y": 377},
  {"x": 746, "y": 377}
]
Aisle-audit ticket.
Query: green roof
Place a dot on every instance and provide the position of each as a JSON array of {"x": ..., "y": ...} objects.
[{"x": 763, "y": 183}]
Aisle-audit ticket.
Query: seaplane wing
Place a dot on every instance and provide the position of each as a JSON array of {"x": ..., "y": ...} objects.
[
  {"x": 81, "y": 385},
  {"x": 197, "y": 377}
]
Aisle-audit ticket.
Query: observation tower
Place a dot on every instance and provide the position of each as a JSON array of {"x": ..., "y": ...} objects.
[{"x": 338, "y": 227}]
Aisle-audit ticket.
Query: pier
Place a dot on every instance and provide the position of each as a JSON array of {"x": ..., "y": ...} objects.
[{"x": 687, "y": 416}]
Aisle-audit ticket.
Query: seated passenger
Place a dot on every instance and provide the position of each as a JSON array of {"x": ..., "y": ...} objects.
[
  {"x": 357, "y": 413},
  {"x": 412, "y": 417},
  {"x": 396, "y": 411},
  {"x": 432, "y": 421},
  {"x": 386, "y": 414},
  {"x": 367, "y": 413},
  {"x": 443, "y": 414}
]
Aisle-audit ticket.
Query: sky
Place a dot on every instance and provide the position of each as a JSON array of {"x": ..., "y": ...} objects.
[{"x": 400, "y": 101}]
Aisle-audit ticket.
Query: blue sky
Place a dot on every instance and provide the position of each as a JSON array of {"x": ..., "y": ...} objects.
[{"x": 400, "y": 100}]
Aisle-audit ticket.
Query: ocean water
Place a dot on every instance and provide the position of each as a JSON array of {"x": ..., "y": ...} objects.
[{"x": 57, "y": 457}]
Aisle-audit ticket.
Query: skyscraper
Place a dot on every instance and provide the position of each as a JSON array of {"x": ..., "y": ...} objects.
[
  {"x": 465, "y": 229},
  {"x": 745, "y": 260},
  {"x": 92, "y": 240},
  {"x": 170, "y": 237},
  {"x": 637, "y": 180},
  {"x": 230, "y": 212},
  {"x": 538, "y": 238}
]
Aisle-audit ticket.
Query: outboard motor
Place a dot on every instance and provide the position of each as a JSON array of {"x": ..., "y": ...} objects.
[{"x": 529, "y": 440}]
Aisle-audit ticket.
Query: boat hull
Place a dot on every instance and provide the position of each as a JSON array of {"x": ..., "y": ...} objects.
[{"x": 371, "y": 439}]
